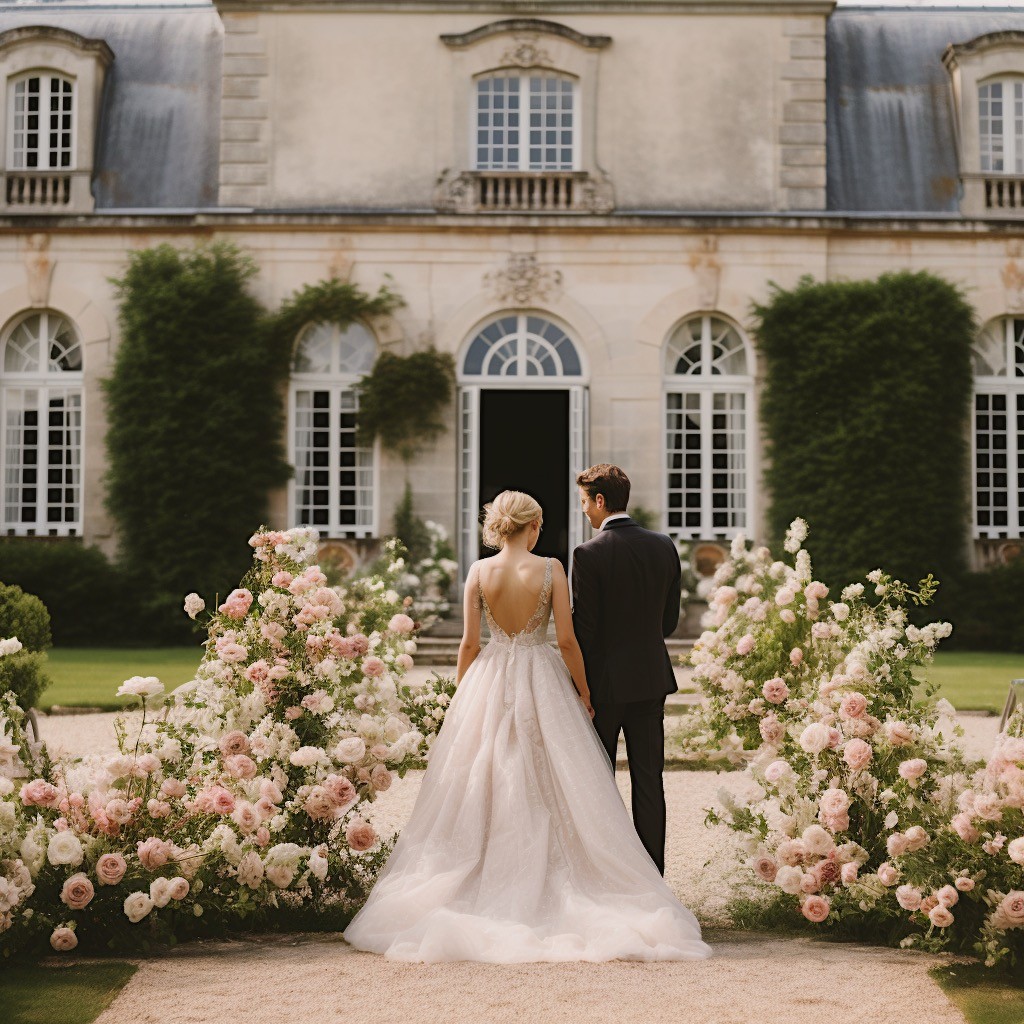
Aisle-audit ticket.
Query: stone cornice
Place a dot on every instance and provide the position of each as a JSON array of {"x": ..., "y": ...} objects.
[
  {"x": 956, "y": 52},
  {"x": 535, "y": 26},
  {"x": 34, "y": 35},
  {"x": 535, "y": 7}
]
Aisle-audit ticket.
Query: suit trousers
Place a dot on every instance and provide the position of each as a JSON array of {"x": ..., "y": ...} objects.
[{"x": 643, "y": 723}]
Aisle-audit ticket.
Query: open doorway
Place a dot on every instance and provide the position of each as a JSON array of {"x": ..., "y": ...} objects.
[{"x": 524, "y": 446}]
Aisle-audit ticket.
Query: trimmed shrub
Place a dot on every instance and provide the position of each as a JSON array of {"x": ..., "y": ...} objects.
[
  {"x": 24, "y": 616},
  {"x": 865, "y": 408},
  {"x": 985, "y": 609}
]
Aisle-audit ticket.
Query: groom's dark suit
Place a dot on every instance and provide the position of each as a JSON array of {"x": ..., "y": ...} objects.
[{"x": 626, "y": 588}]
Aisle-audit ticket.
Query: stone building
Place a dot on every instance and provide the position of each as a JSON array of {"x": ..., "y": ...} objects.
[{"x": 579, "y": 200}]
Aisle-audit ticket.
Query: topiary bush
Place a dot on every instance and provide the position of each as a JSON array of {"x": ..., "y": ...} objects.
[
  {"x": 196, "y": 426},
  {"x": 24, "y": 673},
  {"x": 865, "y": 410}
]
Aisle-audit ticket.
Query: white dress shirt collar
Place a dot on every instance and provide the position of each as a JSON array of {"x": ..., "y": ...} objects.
[{"x": 613, "y": 516}]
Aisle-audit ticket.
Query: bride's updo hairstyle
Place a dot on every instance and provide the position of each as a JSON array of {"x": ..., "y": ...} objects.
[{"x": 510, "y": 512}]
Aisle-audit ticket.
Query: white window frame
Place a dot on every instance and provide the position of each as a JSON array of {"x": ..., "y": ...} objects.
[
  {"x": 338, "y": 384},
  {"x": 706, "y": 386},
  {"x": 523, "y": 165},
  {"x": 46, "y": 76},
  {"x": 47, "y": 382},
  {"x": 1005, "y": 382},
  {"x": 1011, "y": 138}
]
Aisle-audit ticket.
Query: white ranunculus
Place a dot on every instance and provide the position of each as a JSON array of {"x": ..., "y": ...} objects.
[
  {"x": 140, "y": 686},
  {"x": 65, "y": 848},
  {"x": 160, "y": 891},
  {"x": 137, "y": 906},
  {"x": 350, "y": 750}
]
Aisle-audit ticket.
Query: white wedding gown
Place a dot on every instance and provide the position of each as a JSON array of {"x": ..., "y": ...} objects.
[{"x": 519, "y": 847}]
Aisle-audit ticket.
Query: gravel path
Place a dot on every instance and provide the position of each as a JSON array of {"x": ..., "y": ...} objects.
[{"x": 752, "y": 979}]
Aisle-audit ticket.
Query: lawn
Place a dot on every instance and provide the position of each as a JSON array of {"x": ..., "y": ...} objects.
[
  {"x": 982, "y": 995},
  {"x": 65, "y": 994},
  {"x": 973, "y": 680},
  {"x": 89, "y": 677}
]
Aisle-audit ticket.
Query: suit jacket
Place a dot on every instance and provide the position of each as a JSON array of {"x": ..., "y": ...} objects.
[{"x": 626, "y": 590}]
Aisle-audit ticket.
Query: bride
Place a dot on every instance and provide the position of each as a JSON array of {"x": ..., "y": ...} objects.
[{"x": 519, "y": 847}]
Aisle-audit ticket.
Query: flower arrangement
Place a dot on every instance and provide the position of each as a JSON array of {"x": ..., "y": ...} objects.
[
  {"x": 849, "y": 760},
  {"x": 242, "y": 795},
  {"x": 429, "y": 580}
]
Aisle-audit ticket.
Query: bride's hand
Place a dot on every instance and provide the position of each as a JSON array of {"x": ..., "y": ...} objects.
[{"x": 588, "y": 705}]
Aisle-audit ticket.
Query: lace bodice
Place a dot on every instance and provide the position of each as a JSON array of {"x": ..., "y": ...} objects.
[{"x": 536, "y": 629}]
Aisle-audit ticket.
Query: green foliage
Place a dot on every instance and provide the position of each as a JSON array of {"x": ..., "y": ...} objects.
[
  {"x": 68, "y": 994},
  {"x": 984, "y": 608},
  {"x": 865, "y": 407},
  {"x": 24, "y": 616},
  {"x": 403, "y": 400},
  {"x": 644, "y": 517},
  {"x": 329, "y": 302},
  {"x": 82, "y": 590},
  {"x": 196, "y": 425},
  {"x": 410, "y": 529},
  {"x": 981, "y": 995}
]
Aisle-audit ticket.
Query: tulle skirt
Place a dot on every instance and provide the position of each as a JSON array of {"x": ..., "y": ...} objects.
[{"x": 519, "y": 847}]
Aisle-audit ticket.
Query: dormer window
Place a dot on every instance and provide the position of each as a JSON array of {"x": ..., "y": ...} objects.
[
  {"x": 1001, "y": 125},
  {"x": 53, "y": 79}
]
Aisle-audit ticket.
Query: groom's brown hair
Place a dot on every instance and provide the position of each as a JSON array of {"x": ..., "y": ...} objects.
[{"x": 608, "y": 480}]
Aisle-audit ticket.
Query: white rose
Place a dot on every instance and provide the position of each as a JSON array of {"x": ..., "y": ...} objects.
[
  {"x": 789, "y": 879},
  {"x": 6, "y": 785},
  {"x": 815, "y": 738},
  {"x": 410, "y": 646},
  {"x": 64, "y": 848},
  {"x": 137, "y": 906},
  {"x": 250, "y": 870},
  {"x": 194, "y": 604},
  {"x": 140, "y": 686},
  {"x": 840, "y": 611},
  {"x": 10, "y": 646},
  {"x": 280, "y": 874},
  {"x": 160, "y": 892},
  {"x": 350, "y": 750},
  {"x": 306, "y": 757},
  {"x": 817, "y": 841},
  {"x": 318, "y": 865},
  {"x": 393, "y": 729},
  {"x": 1015, "y": 850}
]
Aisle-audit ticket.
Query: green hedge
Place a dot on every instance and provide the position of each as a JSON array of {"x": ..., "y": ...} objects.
[
  {"x": 24, "y": 616},
  {"x": 985, "y": 609},
  {"x": 865, "y": 409}
]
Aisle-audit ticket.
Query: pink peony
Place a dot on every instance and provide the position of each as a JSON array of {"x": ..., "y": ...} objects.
[
  {"x": 110, "y": 868},
  {"x": 857, "y": 753},
  {"x": 815, "y": 908},
  {"x": 63, "y": 939},
  {"x": 775, "y": 690},
  {"x": 39, "y": 793},
  {"x": 77, "y": 891},
  {"x": 401, "y": 623},
  {"x": 154, "y": 853},
  {"x": 360, "y": 835}
]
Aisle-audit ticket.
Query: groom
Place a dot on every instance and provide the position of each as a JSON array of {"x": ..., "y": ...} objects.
[{"x": 626, "y": 589}]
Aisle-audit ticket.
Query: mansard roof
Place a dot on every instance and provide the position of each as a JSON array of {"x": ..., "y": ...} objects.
[
  {"x": 157, "y": 144},
  {"x": 891, "y": 129}
]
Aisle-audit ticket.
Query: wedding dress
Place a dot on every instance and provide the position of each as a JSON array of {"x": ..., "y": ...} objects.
[{"x": 519, "y": 847}]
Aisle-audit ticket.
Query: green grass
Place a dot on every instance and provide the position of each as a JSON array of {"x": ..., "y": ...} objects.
[
  {"x": 974, "y": 680},
  {"x": 73, "y": 994},
  {"x": 89, "y": 677},
  {"x": 982, "y": 995}
]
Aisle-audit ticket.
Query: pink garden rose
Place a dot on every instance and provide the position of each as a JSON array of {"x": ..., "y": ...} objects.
[
  {"x": 848, "y": 873},
  {"x": 404, "y": 662},
  {"x": 240, "y": 766},
  {"x": 775, "y": 690},
  {"x": 940, "y": 916},
  {"x": 815, "y": 908},
  {"x": 77, "y": 891},
  {"x": 401, "y": 623},
  {"x": 771, "y": 729},
  {"x": 964, "y": 884},
  {"x": 777, "y": 770},
  {"x": 765, "y": 868},
  {"x": 342, "y": 792},
  {"x": 961, "y": 824},
  {"x": 232, "y": 653},
  {"x": 744, "y": 645},
  {"x": 63, "y": 939},
  {"x": 887, "y": 874},
  {"x": 360, "y": 835},
  {"x": 913, "y": 769},
  {"x": 857, "y": 753},
  {"x": 1010, "y": 912},
  {"x": 788, "y": 616},
  {"x": 796, "y": 656},
  {"x": 380, "y": 778},
  {"x": 947, "y": 895},
  {"x": 816, "y": 591},
  {"x": 234, "y": 742},
  {"x": 258, "y": 672},
  {"x": 39, "y": 793},
  {"x": 110, "y": 868},
  {"x": 917, "y": 838},
  {"x": 237, "y": 604},
  {"x": 179, "y": 888},
  {"x": 853, "y": 705},
  {"x": 908, "y": 897},
  {"x": 215, "y": 800},
  {"x": 896, "y": 845},
  {"x": 899, "y": 733},
  {"x": 1015, "y": 850},
  {"x": 154, "y": 853},
  {"x": 373, "y": 667}
]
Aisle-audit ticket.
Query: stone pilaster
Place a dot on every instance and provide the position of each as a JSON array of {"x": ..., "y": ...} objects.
[{"x": 802, "y": 125}]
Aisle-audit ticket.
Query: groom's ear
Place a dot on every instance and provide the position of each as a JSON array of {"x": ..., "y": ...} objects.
[{"x": 599, "y": 501}]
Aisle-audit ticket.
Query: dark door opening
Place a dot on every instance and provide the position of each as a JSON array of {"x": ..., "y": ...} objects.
[{"x": 524, "y": 446}]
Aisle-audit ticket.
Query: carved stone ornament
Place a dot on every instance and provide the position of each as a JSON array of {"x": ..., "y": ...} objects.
[
  {"x": 707, "y": 270},
  {"x": 523, "y": 280},
  {"x": 38, "y": 269},
  {"x": 1013, "y": 281},
  {"x": 455, "y": 193},
  {"x": 526, "y": 53}
]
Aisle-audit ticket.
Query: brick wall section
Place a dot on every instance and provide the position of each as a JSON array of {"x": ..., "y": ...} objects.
[
  {"x": 802, "y": 125},
  {"x": 244, "y": 124}
]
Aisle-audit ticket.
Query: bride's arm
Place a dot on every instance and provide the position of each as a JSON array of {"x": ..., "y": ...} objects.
[
  {"x": 567, "y": 643},
  {"x": 469, "y": 648}
]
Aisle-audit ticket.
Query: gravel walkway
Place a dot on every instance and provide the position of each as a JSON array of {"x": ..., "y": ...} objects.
[{"x": 752, "y": 979}]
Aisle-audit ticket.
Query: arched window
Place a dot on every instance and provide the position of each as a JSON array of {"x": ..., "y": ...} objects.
[
  {"x": 526, "y": 121},
  {"x": 41, "y": 410},
  {"x": 41, "y": 117},
  {"x": 1001, "y": 125},
  {"x": 708, "y": 421},
  {"x": 521, "y": 345},
  {"x": 998, "y": 436},
  {"x": 333, "y": 488}
]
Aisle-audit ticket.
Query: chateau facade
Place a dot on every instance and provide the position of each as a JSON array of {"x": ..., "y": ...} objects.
[{"x": 580, "y": 201}]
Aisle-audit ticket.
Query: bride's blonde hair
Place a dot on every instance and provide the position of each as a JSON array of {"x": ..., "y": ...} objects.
[{"x": 510, "y": 512}]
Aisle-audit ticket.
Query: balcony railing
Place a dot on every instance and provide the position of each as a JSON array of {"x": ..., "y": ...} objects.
[
  {"x": 37, "y": 188},
  {"x": 1004, "y": 193},
  {"x": 544, "y": 192}
]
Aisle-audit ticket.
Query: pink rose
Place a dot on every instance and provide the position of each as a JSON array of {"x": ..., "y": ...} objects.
[
  {"x": 240, "y": 766},
  {"x": 857, "y": 753},
  {"x": 826, "y": 872},
  {"x": 908, "y": 897},
  {"x": 1010, "y": 912},
  {"x": 853, "y": 705},
  {"x": 815, "y": 908},
  {"x": 964, "y": 884},
  {"x": 63, "y": 939},
  {"x": 917, "y": 838},
  {"x": 158, "y": 808},
  {"x": 318, "y": 804},
  {"x": 404, "y": 662},
  {"x": 39, "y": 793},
  {"x": 775, "y": 690},
  {"x": 947, "y": 895},
  {"x": 940, "y": 916},
  {"x": 834, "y": 801},
  {"x": 146, "y": 764},
  {"x": 796, "y": 656},
  {"x": 360, "y": 644},
  {"x": 258, "y": 672},
  {"x": 77, "y": 891},
  {"x": 401, "y": 623},
  {"x": 771, "y": 729},
  {"x": 809, "y": 882},
  {"x": 342, "y": 791},
  {"x": 380, "y": 779},
  {"x": 281, "y": 578},
  {"x": 887, "y": 874},
  {"x": 790, "y": 852},
  {"x": 290, "y": 714},
  {"x": 788, "y": 616},
  {"x": 246, "y": 817},
  {"x": 154, "y": 853},
  {"x": 237, "y": 604},
  {"x": 913, "y": 769},
  {"x": 777, "y": 770},
  {"x": 235, "y": 742},
  {"x": 360, "y": 835},
  {"x": 373, "y": 667},
  {"x": 179, "y": 888},
  {"x": 110, "y": 868},
  {"x": 232, "y": 653},
  {"x": 173, "y": 788},
  {"x": 262, "y": 836},
  {"x": 816, "y": 591},
  {"x": 765, "y": 868},
  {"x": 848, "y": 873},
  {"x": 961, "y": 824},
  {"x": 899, "y": 733},
  {"x": 896, "y": 845},
  {"x": 744, "y": 645},
  {"x": 725, "y": 596}
]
